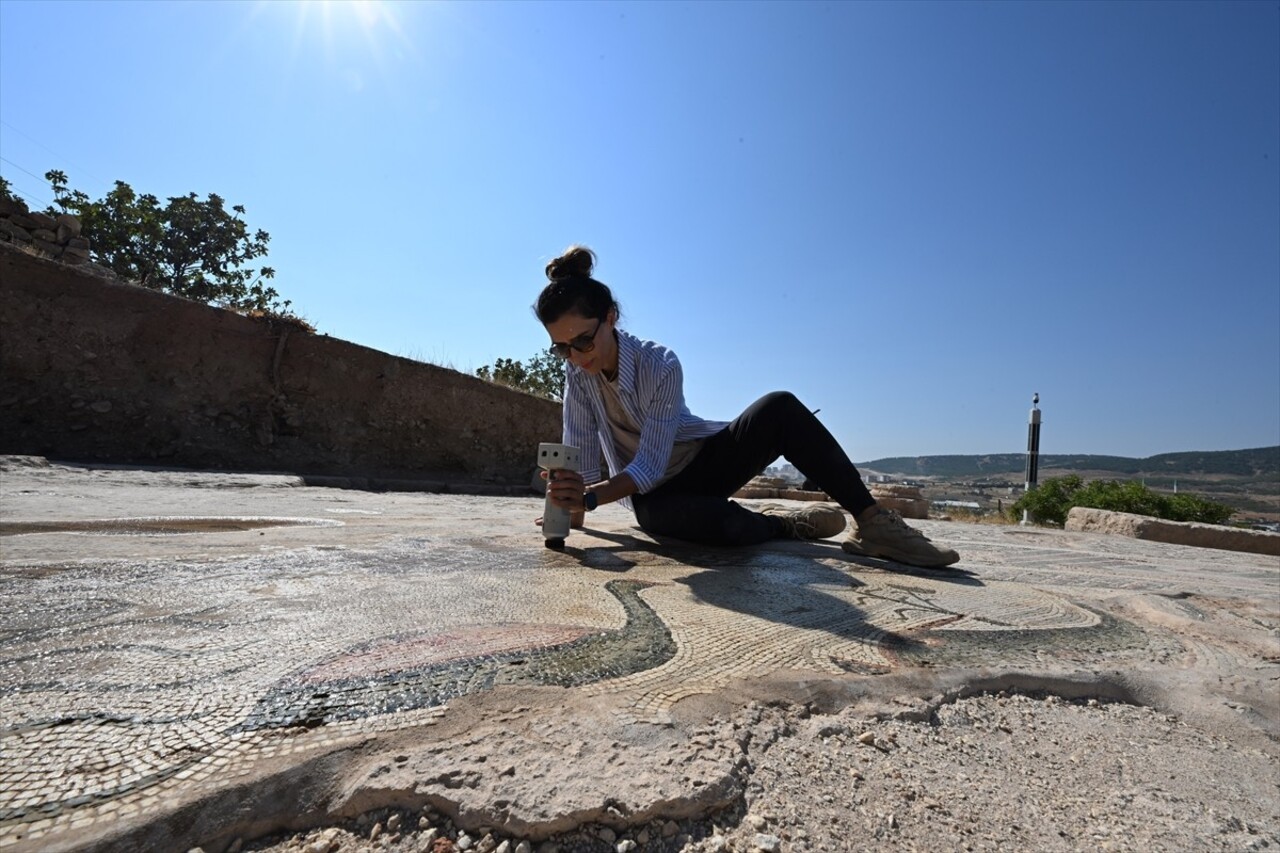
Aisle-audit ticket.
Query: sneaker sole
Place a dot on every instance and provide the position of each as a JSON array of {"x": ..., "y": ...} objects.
[{"x": 944, "y": 560}]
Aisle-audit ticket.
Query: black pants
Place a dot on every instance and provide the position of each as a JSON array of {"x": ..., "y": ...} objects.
[{"x": 694, "y": 505}]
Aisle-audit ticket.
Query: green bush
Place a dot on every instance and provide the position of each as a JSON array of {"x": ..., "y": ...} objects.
[
  {"x": 1128, "y": 496},
  {"x": 1183, "y": 507},
  {"x": 1049, "y": 502}
]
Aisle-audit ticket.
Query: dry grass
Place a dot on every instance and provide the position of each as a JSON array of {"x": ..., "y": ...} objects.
[
  {"x": 281, "y": 318},
  {"x": 436, "y": 359},
  {"x": 968, "y": 516}
]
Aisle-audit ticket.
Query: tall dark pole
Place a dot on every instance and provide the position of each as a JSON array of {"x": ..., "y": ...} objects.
[{"x": 1033, "y": 450}]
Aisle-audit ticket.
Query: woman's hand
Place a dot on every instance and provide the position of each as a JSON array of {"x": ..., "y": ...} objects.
[{"x": 567, "y": 490}]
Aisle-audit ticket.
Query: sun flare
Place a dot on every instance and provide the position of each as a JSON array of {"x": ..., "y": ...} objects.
[
  {"x": 358, "y": 41},
  {"x": 340, "y": 16},
  {"x": 368, "y": 13}
]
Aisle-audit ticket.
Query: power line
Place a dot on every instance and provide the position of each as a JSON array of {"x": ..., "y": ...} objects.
[
  {"x": 20, "y": 169},
  {"x": 20, "y": 192},
  {"x": 58, "y": 157},
  {"x": 29, "y": 198}
]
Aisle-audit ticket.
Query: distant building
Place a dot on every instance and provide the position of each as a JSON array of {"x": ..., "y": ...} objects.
[
  {"x": 958, "y": 504},
  {"x": 786, "y": 471}
]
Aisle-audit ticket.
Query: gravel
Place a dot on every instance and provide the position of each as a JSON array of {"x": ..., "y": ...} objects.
[{"x": 1006, "y": 771}]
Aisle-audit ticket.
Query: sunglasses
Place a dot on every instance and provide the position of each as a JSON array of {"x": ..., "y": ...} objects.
[{"x": 585, "y": 342}]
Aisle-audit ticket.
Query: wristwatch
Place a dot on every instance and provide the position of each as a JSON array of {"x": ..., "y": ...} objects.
[{"x": 590, "y": 500}]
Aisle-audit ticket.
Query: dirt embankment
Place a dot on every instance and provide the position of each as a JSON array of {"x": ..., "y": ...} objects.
[{"x": 104, "y": 371}]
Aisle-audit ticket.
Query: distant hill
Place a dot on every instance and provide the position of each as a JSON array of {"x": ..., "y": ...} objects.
[{"x": 1260, "y": 462}]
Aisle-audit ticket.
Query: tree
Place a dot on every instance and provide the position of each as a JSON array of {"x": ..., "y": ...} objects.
[
  {"x": 543, "y": 375},
  {"x": 187, "y": 247}
]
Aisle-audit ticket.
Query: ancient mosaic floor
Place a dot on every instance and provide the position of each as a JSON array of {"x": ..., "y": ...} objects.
[{"x": 162, "y": 633}]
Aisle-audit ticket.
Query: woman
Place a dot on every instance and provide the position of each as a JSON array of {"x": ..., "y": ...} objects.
[{"x": 624, "y": 397}]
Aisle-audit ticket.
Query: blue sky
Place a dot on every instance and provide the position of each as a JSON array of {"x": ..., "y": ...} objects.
[{"x": 913, "y": 215}]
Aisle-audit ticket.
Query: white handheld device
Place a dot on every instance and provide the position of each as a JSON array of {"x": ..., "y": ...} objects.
[{"x": 555, "y": 519}]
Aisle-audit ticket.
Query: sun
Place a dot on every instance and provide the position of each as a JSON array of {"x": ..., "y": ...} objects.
[
  {"x": 367, "y": 13},
  {"x": 359, "y": 41},
  {"x": 339, "y": 17},
  {"x": 337, "y": 21}
]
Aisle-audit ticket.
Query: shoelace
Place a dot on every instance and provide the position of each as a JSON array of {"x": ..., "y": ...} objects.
[
  {"x": 802, "y": 528},
  {"x": 895, "y": 521}
]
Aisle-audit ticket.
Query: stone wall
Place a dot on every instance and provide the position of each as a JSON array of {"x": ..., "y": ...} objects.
[
  {"x": 906, "y": 500},
  {"x": 93, "y": 369},
  {"x": 776, "y": 487},
  {"x": 48, "y": 236},
  {"x": 1197, "y": 535}
]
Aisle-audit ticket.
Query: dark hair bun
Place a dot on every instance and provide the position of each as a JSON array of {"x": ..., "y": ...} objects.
[{"x": 576, "y": 262}]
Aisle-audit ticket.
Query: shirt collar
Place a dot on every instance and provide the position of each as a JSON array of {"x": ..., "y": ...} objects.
[{"x": 626, "y": 361}]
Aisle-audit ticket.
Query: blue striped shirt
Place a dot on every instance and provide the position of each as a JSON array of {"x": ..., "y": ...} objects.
[{"x": 651, "y": 387}]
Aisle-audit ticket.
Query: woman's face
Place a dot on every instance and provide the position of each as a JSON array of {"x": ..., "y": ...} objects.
[{"x": 573, "y": 333}]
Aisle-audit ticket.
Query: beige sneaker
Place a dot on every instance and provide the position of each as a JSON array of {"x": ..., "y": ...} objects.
[
  {"x": 887, "y": 535},
  {"x": 813, "y": 522}
]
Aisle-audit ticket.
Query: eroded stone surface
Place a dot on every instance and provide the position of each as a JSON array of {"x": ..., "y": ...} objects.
[
  {"x": 425, "y": 649},
  {"x": 1176, "y": 532},
  {"x": 907, "y": 501}
]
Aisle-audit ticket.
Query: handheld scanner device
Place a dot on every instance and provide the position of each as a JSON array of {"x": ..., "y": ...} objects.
[{"x": 555, "y": 519}]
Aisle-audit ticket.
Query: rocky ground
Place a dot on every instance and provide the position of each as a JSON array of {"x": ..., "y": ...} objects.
[
  {"x": 1004, "y": 771},
  {"x": 1033, "y": 728}
]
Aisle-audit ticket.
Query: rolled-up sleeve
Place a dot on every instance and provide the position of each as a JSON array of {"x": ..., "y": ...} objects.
[
  {"x": 580, "y": 427},
  {"x": 662, "y": 412}
]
